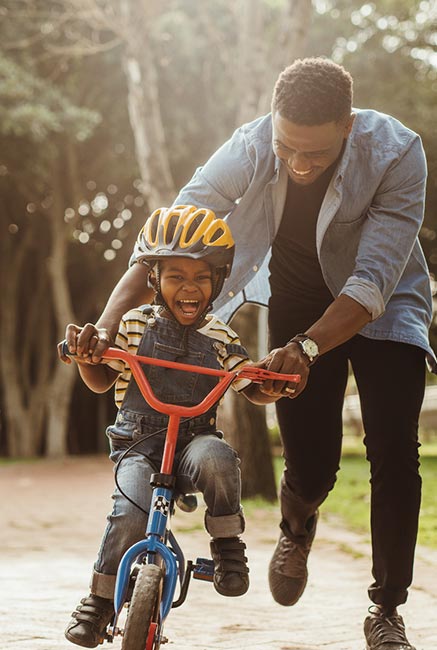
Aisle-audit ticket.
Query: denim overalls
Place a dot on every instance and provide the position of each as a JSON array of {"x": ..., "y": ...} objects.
[{"x": 204, "y": 461}]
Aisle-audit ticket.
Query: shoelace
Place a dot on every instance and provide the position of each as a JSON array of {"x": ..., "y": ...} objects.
[{"x": 389, "y": 630}]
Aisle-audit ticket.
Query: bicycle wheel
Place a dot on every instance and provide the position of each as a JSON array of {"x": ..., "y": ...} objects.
[{"x": 143, "y": 610}]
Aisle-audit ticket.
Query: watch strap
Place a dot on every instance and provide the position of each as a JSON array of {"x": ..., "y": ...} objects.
[{"x": 300, "y": 339}]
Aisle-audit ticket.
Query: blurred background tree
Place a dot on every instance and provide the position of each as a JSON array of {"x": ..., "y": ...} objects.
[{"x": 106, "y": 108}]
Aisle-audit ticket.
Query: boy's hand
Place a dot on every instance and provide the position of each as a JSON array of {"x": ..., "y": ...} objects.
[{"x": 88, "y": 343}]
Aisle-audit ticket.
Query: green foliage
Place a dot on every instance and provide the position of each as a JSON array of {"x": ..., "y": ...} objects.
[{"x": 34, "y": 108}]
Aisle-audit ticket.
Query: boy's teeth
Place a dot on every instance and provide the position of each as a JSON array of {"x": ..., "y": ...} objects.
[{"x": 189, "y": 306}]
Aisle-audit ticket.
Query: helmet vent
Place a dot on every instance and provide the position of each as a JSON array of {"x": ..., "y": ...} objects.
[
  {"x": 153, "y": 224},
  {"x": 218, "y": 233},
  {"x": 194, "y": 225},
  {"x": 171, "y": 229}
]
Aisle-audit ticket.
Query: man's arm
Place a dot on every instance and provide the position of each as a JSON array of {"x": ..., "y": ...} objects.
[
  {"x": 132, "y": 290},
  {"x": 341, "y": 321}
]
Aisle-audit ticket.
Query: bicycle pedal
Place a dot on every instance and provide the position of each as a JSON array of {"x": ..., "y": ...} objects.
[{"x": 203, "y": 569}]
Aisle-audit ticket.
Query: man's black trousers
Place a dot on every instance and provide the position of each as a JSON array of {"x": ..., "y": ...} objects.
[{"x": 390, "y": 377}]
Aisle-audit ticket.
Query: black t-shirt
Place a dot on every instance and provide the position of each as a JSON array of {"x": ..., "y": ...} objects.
[{"x": 296, "y": 279}]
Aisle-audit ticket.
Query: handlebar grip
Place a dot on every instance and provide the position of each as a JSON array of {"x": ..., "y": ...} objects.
[{"x": 65, "y": 351}]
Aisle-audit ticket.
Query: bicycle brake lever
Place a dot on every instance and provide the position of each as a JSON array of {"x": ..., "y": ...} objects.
[{"x": 259, "y": 375}]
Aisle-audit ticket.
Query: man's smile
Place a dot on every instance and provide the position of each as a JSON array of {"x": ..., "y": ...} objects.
[{"x": 305, "y": 173}]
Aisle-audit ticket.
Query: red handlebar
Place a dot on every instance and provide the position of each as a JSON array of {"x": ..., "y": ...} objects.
[
  {"x": 134, "y": 361},
  {"x": 174, "y": 411}
]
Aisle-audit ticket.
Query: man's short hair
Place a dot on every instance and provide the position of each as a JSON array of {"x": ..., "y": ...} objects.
[{"x": 313, "y": 91}]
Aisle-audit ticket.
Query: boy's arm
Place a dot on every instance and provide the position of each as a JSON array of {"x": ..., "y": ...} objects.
[{"x": 99, "y": 378}]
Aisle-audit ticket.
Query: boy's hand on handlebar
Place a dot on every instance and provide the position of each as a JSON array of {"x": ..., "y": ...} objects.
[
  {"x": 288, "y": 360},
  {"x": 88, "y": 343}
]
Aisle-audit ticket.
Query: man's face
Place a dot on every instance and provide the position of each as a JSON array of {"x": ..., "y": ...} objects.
[
  {"x": 307, "y": 151},
  {"x": 186, "y": 286}
]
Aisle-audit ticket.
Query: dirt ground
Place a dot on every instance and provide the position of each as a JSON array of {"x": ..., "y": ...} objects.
[{"x": 53, "y": 518}]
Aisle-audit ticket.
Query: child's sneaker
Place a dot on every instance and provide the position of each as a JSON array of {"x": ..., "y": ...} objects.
[
  {"x": 230, "y": 566},
  {"x": 90, "y": 620}
]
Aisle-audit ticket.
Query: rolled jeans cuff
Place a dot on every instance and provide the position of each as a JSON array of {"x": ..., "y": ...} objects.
[
  {"x": 103, "y": 585},
  {"x": 226, "y": 525}
]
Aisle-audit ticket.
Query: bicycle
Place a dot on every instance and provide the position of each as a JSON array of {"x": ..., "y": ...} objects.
[{"x": 149, "y": 570}]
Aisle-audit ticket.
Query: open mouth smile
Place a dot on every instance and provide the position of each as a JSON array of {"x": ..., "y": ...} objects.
[{"x": 188, "y": 308}]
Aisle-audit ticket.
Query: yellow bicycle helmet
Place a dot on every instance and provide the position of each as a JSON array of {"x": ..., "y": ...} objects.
[{"x": 187, "y": 231}]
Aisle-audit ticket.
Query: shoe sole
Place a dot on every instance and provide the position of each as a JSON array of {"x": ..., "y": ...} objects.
[
  {"x": 289, "y": 603},
  {"x": 72, "y": 639},
  {"x": 222, "y": 592}
]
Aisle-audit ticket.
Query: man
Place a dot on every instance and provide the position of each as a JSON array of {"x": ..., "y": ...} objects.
[{"x": 325, "y": 204}]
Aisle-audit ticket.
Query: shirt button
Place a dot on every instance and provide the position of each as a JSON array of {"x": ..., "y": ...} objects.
[
  {"x": 212, "y": 421},
  {"x": 255, "y": 268},
  {"x": 231, "y": 294}
]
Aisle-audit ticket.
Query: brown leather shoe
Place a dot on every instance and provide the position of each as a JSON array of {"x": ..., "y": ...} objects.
[
  {"x": 90, "y": 619},
  {"x": 288, "y": 573},
  {"x": 385, "y": 631}
]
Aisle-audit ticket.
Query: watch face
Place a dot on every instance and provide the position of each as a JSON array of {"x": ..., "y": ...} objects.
[{"x": 310, "y": 348}]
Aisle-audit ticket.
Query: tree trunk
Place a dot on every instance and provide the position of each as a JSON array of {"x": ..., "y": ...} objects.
[
  {"x": 295, "y": 26},
  {"x": 143, "y": 104},
  {"x": 252, "y": 58},
  {"x": 37, "y": 388},
  {"x": 23, "y": 398},
  {"x": 245, "y": 423},
  {"x": 62, "y": 379}
]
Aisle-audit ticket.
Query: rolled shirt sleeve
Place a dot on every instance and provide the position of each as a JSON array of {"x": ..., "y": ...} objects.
[{"x": 389, "y": 232}]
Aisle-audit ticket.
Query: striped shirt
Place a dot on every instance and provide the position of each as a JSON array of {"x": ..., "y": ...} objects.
[{"x": 131, "y": 330}]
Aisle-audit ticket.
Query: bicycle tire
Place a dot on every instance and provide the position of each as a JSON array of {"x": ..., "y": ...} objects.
[{"x": 143, "y": 609}]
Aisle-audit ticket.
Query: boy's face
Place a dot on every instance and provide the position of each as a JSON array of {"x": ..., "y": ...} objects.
[{"x": 186, "y": 286}]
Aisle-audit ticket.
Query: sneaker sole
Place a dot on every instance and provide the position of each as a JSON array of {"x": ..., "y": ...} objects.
[{"x": 72, "y": 639}]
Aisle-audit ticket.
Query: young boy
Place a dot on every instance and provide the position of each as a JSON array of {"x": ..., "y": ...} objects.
[{"x": 189, "y": 254}]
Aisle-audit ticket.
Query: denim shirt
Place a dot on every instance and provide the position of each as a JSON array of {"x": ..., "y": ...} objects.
[{"x": 367, "y": 230}]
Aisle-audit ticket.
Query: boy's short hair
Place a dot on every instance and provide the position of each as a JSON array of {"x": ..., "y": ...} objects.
[{"x": 313, "y": 91}]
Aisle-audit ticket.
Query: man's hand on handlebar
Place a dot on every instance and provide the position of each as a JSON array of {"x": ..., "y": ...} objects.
[
  {"x": 287, "y": 360},
  {"x": 89, "y": 343}
]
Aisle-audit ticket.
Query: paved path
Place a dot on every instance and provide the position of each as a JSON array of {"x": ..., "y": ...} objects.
[{"x": 53, "y": 516}]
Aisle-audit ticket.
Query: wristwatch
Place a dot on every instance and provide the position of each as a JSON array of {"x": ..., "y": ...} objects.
[{"x": 308, "y": 346}]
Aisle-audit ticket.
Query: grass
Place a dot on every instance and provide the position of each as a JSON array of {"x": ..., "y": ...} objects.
[{"x": 350, "y": 497}]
